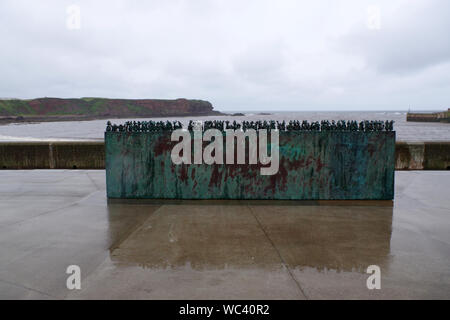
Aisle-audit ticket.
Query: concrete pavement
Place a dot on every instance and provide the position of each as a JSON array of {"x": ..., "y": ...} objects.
[{"x": 50, "y": 219}]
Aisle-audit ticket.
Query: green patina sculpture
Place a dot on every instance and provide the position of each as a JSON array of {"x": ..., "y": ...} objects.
[{"x": 317, "y": 161}]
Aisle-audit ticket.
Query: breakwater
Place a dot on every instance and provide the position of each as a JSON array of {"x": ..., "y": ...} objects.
[
  {"x": 429, "y": 117},
  {"x": 91, "y": 155}
]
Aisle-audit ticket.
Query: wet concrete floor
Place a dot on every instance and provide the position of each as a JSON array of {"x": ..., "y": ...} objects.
[{"x": 50, "y": 219}]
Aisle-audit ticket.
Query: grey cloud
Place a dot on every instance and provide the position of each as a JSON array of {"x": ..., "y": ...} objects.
[
  {"x": 412, "y": 39},
  {"x": 255, "y": 54}
]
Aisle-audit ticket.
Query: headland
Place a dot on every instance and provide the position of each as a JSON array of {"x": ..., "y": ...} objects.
[{"x": 78, "y": 109}]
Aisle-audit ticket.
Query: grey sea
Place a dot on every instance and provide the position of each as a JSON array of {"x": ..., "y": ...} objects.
[{"x": 94, "y": 130}]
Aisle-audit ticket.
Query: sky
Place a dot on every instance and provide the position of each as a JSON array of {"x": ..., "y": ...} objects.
[{"x": 240, "y": 55}]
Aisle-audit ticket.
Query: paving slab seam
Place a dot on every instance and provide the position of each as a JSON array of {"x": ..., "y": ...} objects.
[
  {"x": 93, "y": 182},
  {"x": 131, "y": 231},
  {"x": 52, "y": 210},
  {"x": 27, "y": 288},
  {"x": 279, "y": 254}
]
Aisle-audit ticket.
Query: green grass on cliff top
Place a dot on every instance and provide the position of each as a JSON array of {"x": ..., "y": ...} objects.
[{"x": 84, "y": 106}]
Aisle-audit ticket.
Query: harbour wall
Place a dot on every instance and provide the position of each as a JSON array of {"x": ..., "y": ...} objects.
[
  {"x": 91, "y": 155},
  {"x": 429, "y": 117}
]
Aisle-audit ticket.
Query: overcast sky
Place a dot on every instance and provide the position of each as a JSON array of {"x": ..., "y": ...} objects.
[{"x": 249, "y": 55}]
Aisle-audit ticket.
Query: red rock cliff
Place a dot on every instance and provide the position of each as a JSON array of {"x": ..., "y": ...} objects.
[{"x": 100, "y": 107}]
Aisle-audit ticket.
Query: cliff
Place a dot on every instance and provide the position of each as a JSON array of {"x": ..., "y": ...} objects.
[{"x": 48, "y": 109}]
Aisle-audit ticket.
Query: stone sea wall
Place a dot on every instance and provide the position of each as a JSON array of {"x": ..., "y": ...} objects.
[{"x": 91, "y": 155}]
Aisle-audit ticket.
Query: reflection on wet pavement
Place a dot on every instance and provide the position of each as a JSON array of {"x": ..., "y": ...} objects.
[
  {"x": 219, "y": 249},
  {"x": 214, "y": 237}
]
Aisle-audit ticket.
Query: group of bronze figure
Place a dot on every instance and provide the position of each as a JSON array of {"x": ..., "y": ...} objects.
[{"x": 293, "y": 125}]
